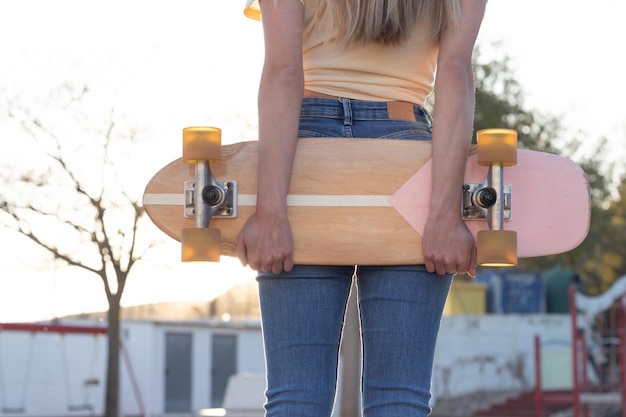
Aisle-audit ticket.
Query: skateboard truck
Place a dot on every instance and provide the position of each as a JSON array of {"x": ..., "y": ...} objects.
[
  {"x": 491, "y": 200},
  {"x": 217, "y": 199},
  {"x": 479, "y": 198},
  {"x": 205, "y": 197}
]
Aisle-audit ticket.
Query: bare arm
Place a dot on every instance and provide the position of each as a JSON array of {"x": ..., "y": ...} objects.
[
  {"x": 265, "y": 242},
  {"x": 448, "y": 244}
]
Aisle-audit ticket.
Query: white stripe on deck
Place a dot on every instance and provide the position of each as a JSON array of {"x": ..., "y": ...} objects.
[{"x": 300, "y": 200}]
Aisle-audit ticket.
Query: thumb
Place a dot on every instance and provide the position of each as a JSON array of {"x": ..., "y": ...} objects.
[{"x": 472, "y": 266}]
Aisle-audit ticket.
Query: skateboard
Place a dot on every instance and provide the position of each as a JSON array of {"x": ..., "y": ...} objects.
[{"x": 365, "y": 201}]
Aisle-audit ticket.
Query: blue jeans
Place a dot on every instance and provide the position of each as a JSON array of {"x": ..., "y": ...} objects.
[{"x": 400, "y": 307}]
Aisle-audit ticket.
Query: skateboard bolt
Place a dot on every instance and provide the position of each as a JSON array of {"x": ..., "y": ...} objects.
[
  {"x": 486, "y": 197},
  {"x": 213, "y": 195}
]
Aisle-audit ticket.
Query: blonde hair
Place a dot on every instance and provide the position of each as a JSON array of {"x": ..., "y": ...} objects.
[{"x": 382, "y": 21}]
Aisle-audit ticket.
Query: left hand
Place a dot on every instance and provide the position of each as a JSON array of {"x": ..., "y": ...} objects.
[{"x": 449, "y": 247}]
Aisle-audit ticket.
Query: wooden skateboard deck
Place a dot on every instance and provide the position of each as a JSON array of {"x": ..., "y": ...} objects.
[{"x": 365, "y": 201}]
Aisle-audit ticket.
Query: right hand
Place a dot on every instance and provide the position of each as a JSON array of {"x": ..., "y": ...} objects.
[{"x": 266, "y": 243}]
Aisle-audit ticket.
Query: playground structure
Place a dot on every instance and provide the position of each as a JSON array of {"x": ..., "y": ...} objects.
[
  {"x": 597, "y": 352},
  {"x": 59, "y": 369},
  {"x": 166, "y": 367},
  {"x": 45, "y": 377}
]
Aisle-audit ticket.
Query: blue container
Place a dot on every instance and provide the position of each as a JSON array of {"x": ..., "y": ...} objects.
[
  {"x": 523, "y": 293},
  {"x": 510, "y": 291}
]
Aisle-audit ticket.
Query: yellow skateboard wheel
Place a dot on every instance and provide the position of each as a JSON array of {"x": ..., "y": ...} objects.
[
  {"x": 497, "y": 146},
  {"x": 497, "y": 248},
  {"x": 202, "y": 143},
  {"x": 200, "y": 244}
]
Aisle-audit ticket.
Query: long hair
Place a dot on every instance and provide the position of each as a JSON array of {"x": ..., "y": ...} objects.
[{"x": 381, "y": 21}]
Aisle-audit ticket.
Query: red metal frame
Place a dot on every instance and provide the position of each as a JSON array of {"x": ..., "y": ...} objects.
[
  {"x": 621, "y": 320},
  {"x": 53, "y": 328},
  {"x": 575, "y": 350},
  {"x": 580, "y": 383},
  {"x": 538, "y": 389}
]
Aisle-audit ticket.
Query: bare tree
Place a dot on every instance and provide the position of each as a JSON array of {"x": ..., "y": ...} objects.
[{"x": 71, "y": 198}]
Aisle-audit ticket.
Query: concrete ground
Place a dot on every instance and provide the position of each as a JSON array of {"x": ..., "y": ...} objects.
[{"x": 468, "y": 405}]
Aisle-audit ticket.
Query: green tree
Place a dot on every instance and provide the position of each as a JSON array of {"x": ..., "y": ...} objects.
[
  {"x": 500, "y": 103},
  {"x": 71, "y": 198},
  {"x": 608, "y": 242}
]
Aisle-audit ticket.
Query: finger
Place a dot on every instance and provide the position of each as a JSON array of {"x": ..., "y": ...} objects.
[
  {"x": 254, "y": 263},
  {"x": 252, "y": 259},
  {"x": 463, "y": 268},
  {"x": 471, "y": 271},
  {"x": 266, "y": 266},
  {"x": 288, "y": 263},
  {"x": 430, "y": 266},
  {"x": 277, "y": 268},
  {"x": 452, "y": 269}
]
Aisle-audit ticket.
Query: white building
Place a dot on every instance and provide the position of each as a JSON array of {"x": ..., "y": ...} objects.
[{"x": 180, "y": 368}]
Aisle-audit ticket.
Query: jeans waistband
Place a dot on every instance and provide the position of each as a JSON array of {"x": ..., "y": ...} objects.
[{"x": 323, "y": 105}]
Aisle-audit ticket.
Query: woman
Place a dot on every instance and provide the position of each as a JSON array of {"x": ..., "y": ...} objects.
[{"x": 359, "y": 68}]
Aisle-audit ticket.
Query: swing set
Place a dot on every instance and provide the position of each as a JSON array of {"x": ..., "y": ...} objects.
[{"x": 17, "y": 404}]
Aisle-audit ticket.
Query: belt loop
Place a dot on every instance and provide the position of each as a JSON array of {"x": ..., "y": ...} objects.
[{"x": 347, "y": 111}]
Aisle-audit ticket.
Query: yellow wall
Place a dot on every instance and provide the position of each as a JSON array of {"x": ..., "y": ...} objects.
[{"x": 466, "y": 298}]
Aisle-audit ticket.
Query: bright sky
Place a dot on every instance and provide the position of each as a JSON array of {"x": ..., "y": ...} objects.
[{"x": 165, "y": 65}]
